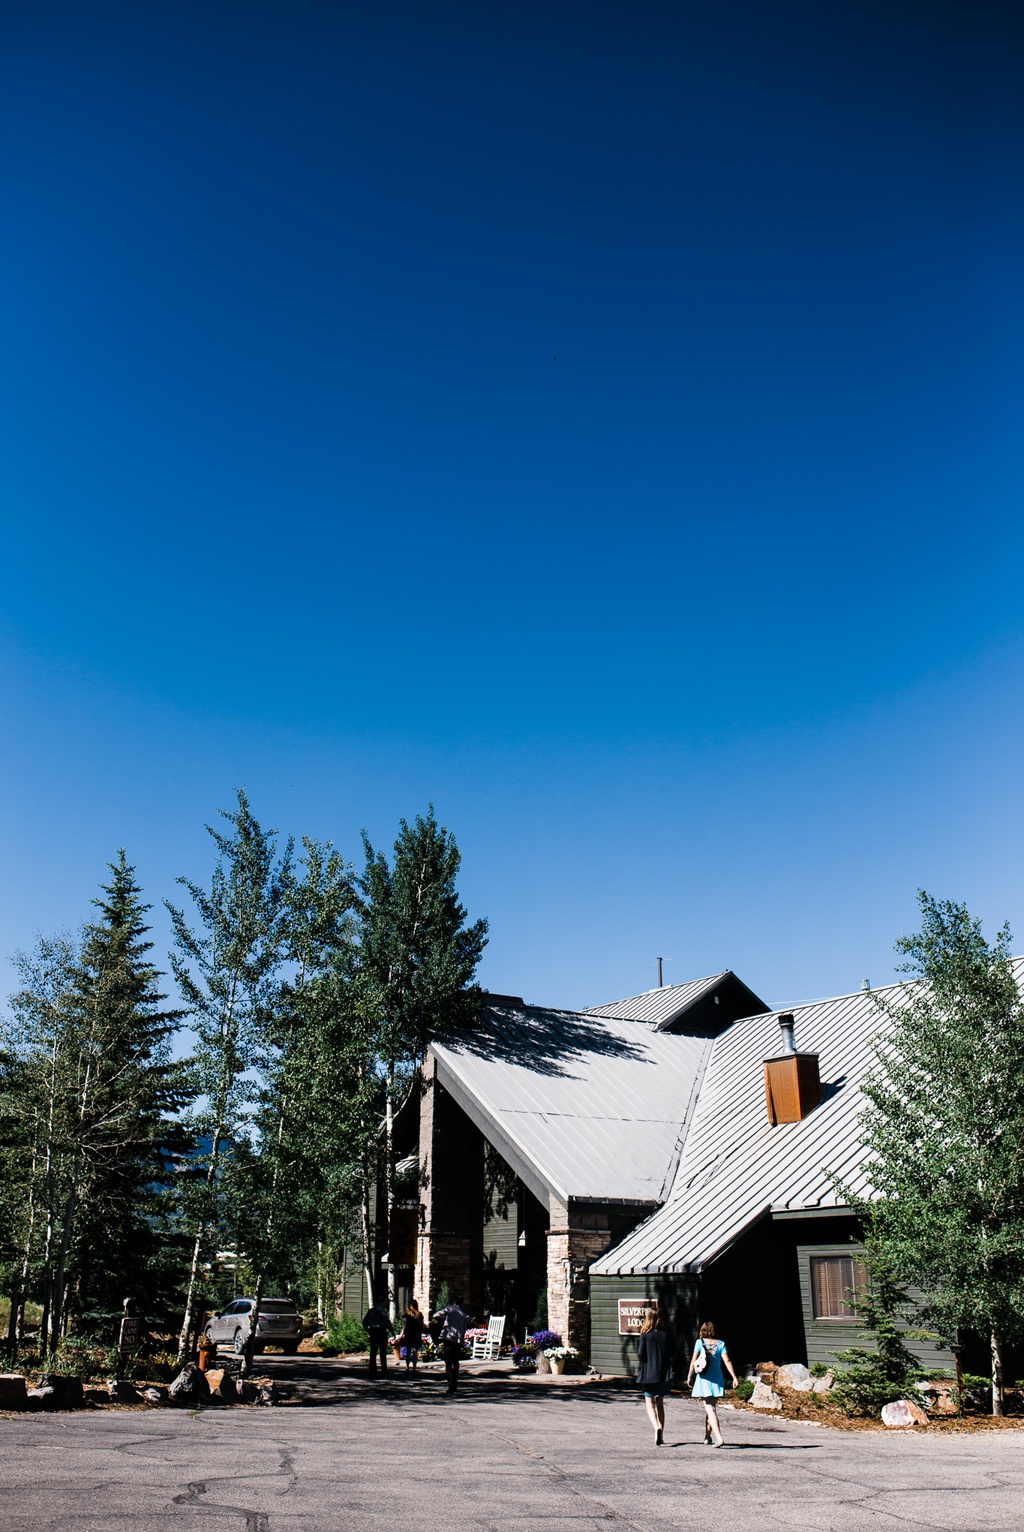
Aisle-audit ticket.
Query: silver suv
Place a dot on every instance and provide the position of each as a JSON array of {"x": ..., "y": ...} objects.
[{"x": 279, "y": 1324}]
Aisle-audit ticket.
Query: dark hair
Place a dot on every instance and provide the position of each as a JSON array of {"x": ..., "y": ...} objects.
[
  {"x": 652, "y": 1321},
  {"x": 707, "y": 1330},
  {"x": 412, "y": 1312}
]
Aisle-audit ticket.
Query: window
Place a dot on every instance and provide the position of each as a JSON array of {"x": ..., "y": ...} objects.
[{"x": 837, "y": 1281}]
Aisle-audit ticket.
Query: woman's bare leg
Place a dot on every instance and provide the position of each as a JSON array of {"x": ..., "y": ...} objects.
[
  {"x": 659, "y": 1405},
  {"x": 711, "y": 1406},
  {"x": 652, "y": 1412}
]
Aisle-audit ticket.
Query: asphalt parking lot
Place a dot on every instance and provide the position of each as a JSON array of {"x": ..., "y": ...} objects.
[{"x": 497, "y": 1456}]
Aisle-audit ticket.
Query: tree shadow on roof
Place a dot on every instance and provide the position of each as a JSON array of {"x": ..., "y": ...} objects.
[{"x": 546, "y": 1042}]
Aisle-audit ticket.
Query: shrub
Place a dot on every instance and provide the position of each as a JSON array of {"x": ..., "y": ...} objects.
[
  {"x": 542, "y": 1339},
  {"x": 819, "y": 1370},
  {"x": 977, "y": 1393},
  {"x": 744, "y": 1388},
  {"x": 345, "y": 1333}
]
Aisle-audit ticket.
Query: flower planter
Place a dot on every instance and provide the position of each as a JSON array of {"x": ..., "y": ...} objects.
[{"x": 557, "y": 1364}]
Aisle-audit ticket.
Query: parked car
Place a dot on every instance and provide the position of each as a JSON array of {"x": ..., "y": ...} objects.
[{"x": 279, "y": 1324}]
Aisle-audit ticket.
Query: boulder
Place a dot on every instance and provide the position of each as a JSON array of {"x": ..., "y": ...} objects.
[
  {"x": 155, "y": 1394},
  {"x": 794, "y": 1375},
  {"x": 41, "y": 1398},
  {"x": 13, "y": 1391},
  {"x": 221, "y": 1385},
  {"x": 903, "y": 1412},
  {"x": 248, "y": 1393},
  {"x": 822, "y": 1385},
  {"x": 268, "y": 1392},
  {"x": 765, "y": 1398},
  {"x": 66, "y": 1393},
  {"x": 122, "y": 1392},
  {"x": 189, "y": 1385}
]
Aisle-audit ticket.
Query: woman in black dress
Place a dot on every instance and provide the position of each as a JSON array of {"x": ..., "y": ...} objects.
[{"x": 654, "y": 1371}]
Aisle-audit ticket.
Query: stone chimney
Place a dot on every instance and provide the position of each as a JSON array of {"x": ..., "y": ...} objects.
[{"x": 792, "y": 1087}]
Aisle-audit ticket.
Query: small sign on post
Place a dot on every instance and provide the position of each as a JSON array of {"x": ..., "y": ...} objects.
[
  {"x": 632, "y": 1312},
  {"x": 130, "y": 1333}
]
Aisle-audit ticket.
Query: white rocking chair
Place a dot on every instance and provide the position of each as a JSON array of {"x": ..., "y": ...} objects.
[{"x": 490, "y": 1347}]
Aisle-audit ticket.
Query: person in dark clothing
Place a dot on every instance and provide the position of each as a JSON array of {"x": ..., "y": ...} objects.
[
  {"x": 412, "y": 1335},
  {"x": 453, "y": 1333},
  {"x": 377, "y": 1326},
  {"x": 654, "y": 1371}
]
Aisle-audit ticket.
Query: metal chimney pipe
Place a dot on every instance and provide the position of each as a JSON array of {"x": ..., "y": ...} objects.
[{"x": 786, "y": 1028}]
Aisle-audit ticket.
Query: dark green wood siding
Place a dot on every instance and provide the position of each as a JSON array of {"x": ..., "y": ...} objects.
[
  {"x": 827, "y": 1336},
  {"x": 615, "y": 1354}
]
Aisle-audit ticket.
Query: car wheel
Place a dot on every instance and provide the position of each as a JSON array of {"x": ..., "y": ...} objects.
[
  {"x": 209, "y": 1336},
  {"x": 239, "y": 1343}
]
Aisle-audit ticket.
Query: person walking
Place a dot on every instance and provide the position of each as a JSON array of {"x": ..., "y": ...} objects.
[
  {"x": 452, "y": 1335},
  {"x": 654, "y": 1371},
  {"x": 412, "y": 1335},
  {"x": 709, "y": 1355},
  {"x": 377, "y": 1326}
]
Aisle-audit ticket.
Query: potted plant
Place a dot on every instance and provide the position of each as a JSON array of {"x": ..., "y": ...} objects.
[
  {"x": 542, "y": 1340},
  {"x": 559, "y": 1355}
]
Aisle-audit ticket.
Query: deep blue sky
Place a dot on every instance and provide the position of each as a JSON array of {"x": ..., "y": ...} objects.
[{"x": 602, "y": 420}]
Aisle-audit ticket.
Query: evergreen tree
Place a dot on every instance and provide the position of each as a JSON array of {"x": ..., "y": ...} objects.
[
  {"x": 228, "y": 972},
  {"x": 122, "y": 1222},
  {"x": 93, "y": 1087},
  {"x": 417, "y": 958},
  {"x": 944, "y": 1127}
]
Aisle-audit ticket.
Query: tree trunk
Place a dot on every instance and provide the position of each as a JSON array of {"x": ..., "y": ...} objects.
[
  {"x": 389, "y": 1187},
  {"x": 57, "y": 1315},
  {"x": 998, "y": 1403},
  {"x": 193, "y": 1275},
  {"x": 369, "y": 1263}
]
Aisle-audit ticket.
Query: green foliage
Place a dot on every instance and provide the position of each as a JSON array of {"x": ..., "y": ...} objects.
[
  {"x": 944, "y": 1126},
  {"x": 227, "y": 970},
  {"x": 975, "y": 1395},
  {"x": 87, "y": 1098},
  {"x": 871, "y": 1378},
  {"x": 84, "y": 1356},
  {"x": 819, "y": 1370},
  {"x": 744, "y": 1388},
  {"x": 345, "y": 1333}
]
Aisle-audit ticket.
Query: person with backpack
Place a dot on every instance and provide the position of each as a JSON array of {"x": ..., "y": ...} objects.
[
  {"x": 654, "y": 1370},
  {"x": 706, "y": 1363},
  {"x": 378, "y": 1327},
  {"x": 451, "y": 1337}
]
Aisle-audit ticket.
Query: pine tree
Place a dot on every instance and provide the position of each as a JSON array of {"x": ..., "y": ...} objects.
[
  {"x": 94, "y": 1090},
  {"x": 417, "y": 958},
  {"x": 228, "y": 972},
  {"x": 944, "y": 1127},
  {"x": 138, "y": 1098}
]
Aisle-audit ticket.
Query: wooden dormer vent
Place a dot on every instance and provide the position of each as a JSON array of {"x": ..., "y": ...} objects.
[{"x": 792, "y": 1087}]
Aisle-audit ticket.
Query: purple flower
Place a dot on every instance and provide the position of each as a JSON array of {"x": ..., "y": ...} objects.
[{"x": 542, "y": 1339}]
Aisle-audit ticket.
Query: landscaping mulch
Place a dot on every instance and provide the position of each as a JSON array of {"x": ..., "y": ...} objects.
[{"x": 798, "y": 1406}]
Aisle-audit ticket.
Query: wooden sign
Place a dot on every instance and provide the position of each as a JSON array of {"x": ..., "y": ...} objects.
[{"x": 632, "y": 1312}]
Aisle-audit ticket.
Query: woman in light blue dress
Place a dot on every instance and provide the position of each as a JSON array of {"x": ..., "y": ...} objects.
[{"x": 710, "y": 1384}]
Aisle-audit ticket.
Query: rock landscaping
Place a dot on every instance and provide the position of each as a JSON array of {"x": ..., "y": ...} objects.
[{"x": 59, "y": 1391}]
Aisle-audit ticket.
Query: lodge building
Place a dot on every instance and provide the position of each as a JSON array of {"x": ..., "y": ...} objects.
[{"x": 687, "y": 1144}]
